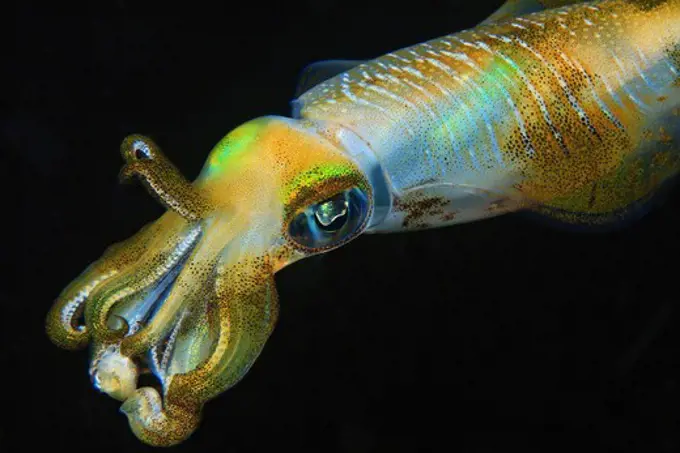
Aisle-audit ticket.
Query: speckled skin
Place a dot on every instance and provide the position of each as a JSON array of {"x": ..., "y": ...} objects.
[
  {"x": 558, "y": 110},
  {"x": 571, "y": 112},
  {"x": 191, "y": 297}
]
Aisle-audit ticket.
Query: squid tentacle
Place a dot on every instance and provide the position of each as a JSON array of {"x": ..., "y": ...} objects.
[
  {"x": 161, "y": 354},
  {"x": 62, "y": 324},
  {"x": 159, "y": 424},
  {"x": 163, "y": 321},
  {"x": 161, "y": 178},
  {"x": 114, "y": 369},
  {"x": 62, "y": 319},
  {"x": 193, "y": 283},
  {"x": 98, "y": 311},
  {"x": 247, "y": 309},
  {"x": 145, "y": 160}
]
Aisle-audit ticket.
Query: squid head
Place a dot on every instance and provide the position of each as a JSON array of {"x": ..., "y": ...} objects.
[{"x": 191, "y": 297}]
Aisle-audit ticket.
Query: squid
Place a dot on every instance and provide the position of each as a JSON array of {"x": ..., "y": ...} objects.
[{"x": 565, "y": 109}]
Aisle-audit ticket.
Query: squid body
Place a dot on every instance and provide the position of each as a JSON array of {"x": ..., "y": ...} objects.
[{"x": 568, "y": 109}]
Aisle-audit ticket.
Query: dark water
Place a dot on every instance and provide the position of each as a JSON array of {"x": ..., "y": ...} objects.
[{"x": 496, "y": 336}]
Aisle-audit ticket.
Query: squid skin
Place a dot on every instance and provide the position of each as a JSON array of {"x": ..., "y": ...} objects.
[
  {"x": 565, "y": 108},
  {"x": 191, "y": 297}
]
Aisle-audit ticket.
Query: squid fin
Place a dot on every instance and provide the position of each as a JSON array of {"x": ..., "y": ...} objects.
[
  {"x": 320, "y": 71},
  {"x": 513, "y": 8},
  {"x": 641, "y": 184}
]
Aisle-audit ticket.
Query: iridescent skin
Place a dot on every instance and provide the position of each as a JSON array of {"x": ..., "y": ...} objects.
[
  {"x": 547, "y": 111},
  {"x": 570, "y": 112}
]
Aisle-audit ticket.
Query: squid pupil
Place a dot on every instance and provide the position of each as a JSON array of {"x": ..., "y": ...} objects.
[
  {"x": 141, "y": 150},
  {"x": 141, "y": 154},
  {"x": 331, "y": 221},
  {"x": 332, "y": 214}
]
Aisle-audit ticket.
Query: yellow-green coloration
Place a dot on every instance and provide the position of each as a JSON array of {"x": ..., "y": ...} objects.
[
  {"x": 568, "y": 112},
  {"x": 191, "y": 297},
  {"x": 228, "y": 150},
  {"x": 330, "y": 178},
  {"x": 613, "y": 197}
]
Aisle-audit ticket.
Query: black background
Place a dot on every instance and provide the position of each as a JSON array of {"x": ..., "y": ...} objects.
[{"x": 488, "y": 337}]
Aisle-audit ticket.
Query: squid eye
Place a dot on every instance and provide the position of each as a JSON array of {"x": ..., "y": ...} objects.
[
  {"x": 332, "y": 221},
  {"x": 332, "y": 214},
  {"x": 141, "y": 150}
]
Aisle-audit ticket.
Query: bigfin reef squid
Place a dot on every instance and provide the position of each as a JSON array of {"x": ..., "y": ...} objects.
[{"x": 565, "y": 109}]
